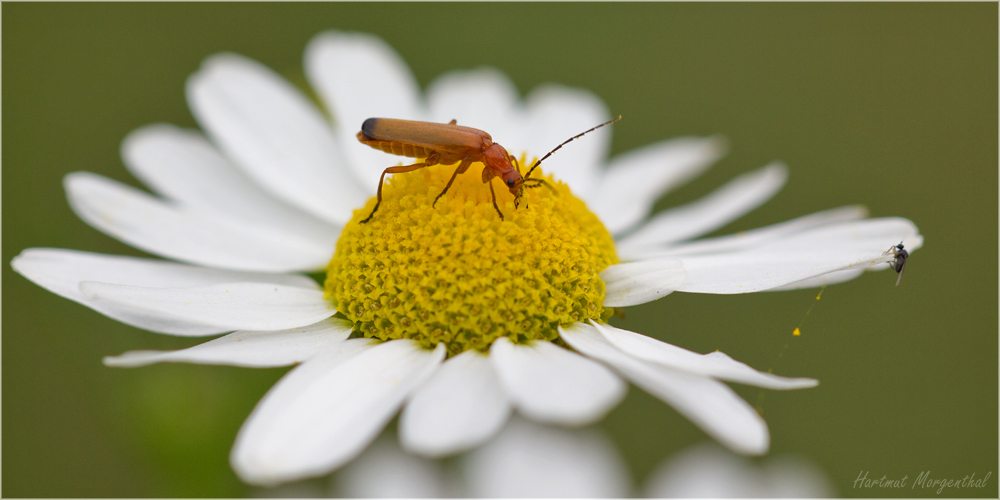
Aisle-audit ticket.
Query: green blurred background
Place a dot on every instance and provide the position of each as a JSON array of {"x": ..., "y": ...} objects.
[{"x": 889, "y": 105}]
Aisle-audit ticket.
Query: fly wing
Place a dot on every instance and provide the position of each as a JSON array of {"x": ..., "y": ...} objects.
[
  {"x": 451, "y": 141},
  {"x": 900, "y": 278}
]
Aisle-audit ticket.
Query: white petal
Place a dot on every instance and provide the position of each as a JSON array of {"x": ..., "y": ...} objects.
[
  {"x": 483, "y": 98},
  {"x": 271, "y": 130},
  {"x": 359, "y": 76},
  {"x": 796, "y": 477},
  {"x": 324, "y": 412},
  {"x": 707, "y": 471},
  {"x": 634, "y": 283},
  {"x": 823, "y": 280},
  {"x": 551, "y": 384},
  {"x": 301, "y": 489},
  {"x": 460, "y": 407},
  {"x": 532, "y": 461},
  {"x": 556, "y": 113},
  {"x": 709, "y": 404},
  {"x": 751, "y": 238},
  {"x": 249, "y": 348},
  {"x": 636, "y": 179},
  {"x": 61, "y": 271},
  {"x": 183, "y": 166},
  {"x": 804, "y": 255},
  {"x": 149, "y": 224},
  {"x": 385, "y": 471},
  {"x": 714, "y": 364},
  {"x": 233, "y": 306},
  {"x": 718, "y": 208}
]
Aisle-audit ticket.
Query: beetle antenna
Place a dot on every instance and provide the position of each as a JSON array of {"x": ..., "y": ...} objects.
[{"x": 539, "y": 162}]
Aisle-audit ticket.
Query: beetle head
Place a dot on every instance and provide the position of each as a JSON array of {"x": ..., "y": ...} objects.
[
  {"x": 498, "y": 164},
  {"x": 515, "y": 183}
]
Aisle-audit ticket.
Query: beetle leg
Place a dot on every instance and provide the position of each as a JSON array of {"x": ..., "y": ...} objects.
[
  {"x": 495, "y": 199},
  {"x": 535, "y": 182},
  {"x": 392, "y": 170},
  {"x": 462, "y": 167}
]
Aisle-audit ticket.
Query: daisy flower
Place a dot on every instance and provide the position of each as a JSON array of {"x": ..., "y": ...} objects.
[
  {"x": 449, "y": 313},
  {"x": 528, "y": 460}
]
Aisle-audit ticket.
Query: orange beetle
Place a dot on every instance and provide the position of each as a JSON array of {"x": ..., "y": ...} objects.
[{"x": 445, "y": 144}]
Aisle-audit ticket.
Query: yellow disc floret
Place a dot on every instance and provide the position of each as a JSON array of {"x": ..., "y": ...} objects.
[{"x": 458, "y": 274}]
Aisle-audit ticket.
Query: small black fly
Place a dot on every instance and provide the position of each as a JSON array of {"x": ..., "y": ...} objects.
[{"x": 899, "y": 259}]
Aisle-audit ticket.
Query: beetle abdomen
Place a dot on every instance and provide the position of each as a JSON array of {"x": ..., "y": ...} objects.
[{"x": 395, "y": 148}]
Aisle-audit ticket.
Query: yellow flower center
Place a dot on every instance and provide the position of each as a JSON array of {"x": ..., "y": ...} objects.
[{"x": 457, "y": 274}]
